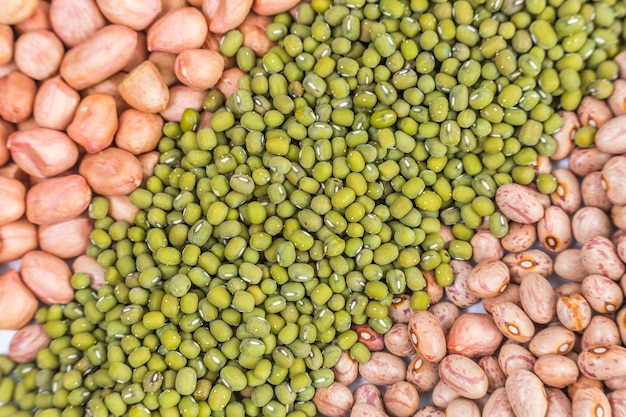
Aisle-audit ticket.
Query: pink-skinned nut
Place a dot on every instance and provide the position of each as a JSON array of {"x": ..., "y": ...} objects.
[
  {"x": 148, "y": 161},
  {"x": 520, "y": 237},
  {"x": 27, "y": 342},
  {"x": 532, "y": 261},
  {"x": 55, "y": 104},
  {"x": 593, "y": 193},
  {"x": 519, "y": 204},
  {"x": 589, "y": 222},
  {"x": 565, "y": 135},
  {"x": 137, "y": 14},
  {"x": 366, "y": 410},
  {"x": 498, "y": 405},
  {"x": 553, "y": 340},
  {"x": 164, "y": 61},
  {"x": 112, "y": 172},
  {"x": 43, "y": 152},
  {"x": 538, "y": 298},
  {"x": 474, "y": 335},
  {"x": 599, "y": 256},
  {"x": 463, "y": 375},
  {"x": 422, "y": 374},
  {"x": 90, "y": 266},
  {"x": 253, "y": 30},
  {"x": 22, "y": 236},
  {"x": 383, "y": 369},
  {"x": 567, "y": 195},
  {"x": 617, "y": 99},
  {"x": 427, "y": 336},
  {"x": 212, "y": 43},
  {"x": 602, "y": 330},
  {"x": 182, "y": 98},
  {"x": 590, "y": 401},
  {"x": 554, "y": 230},
  {"x": 613, "y": 179},
  {"x": 144, "y": 89},
  {"x": 121, "y": 208},
  {"x": 140, "y": 53},
  {"x": 401, "y": 399},
  {"x": 17, "y": 303},
  {"x": 6, "y": 44},
  {"x": 38, "y": 54},
  {"x": 178, "y": 30},
  {"x": 17, "y": 97},
  {"x": 94, "y": 123},
  {"x": 611, "y": 138},
  {"x": 75, "y": 20},
  {"x": 47, "y": 276},
  {"x": 138, "y": 132},
  {"x": 584, "y": 161},
  {"x": 199, "y": 68},
  {"x": 495, "y": 376},
  {"x": 513, "y": 357},
  {"x": 593, "y": 112},
  {"x": 368, "y": 394},
  {"x": 446, "y": 314},
  {"x": 526, "y": 394},
  {"x": 223, "y": 16},
  {"x": 111, "y": 87},
  {"x": 603, "y": 294},
  {"x": 346, "y": 369},
  {"x": 334, "y": 400},
  {"x": 57, "y": 199},
  {"x": 272, "y": 7},
  {"x": 13, "y": 203},
  {"x": 228, "y": 84},
  {"x": 488, "y": 278},
  {"x": 39, "y": 20},
  {"x": 66, "y": 239}
]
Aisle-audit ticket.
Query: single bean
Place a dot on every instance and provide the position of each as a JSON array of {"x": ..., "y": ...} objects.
[
  {"x": 334, "y": 400},
  {"x": 401, "y": 399},
  {"x": 138, "y": 132},
  {"x": 446, "y": 314},
  {"x": 564, "y": 136},
  {"x": 442, "y": 394},
  {"x": 366, "y": 410},
  {"x": 121, "y": 208},
  {"x": 346, "y": 370},
  {"x": 518, "y": 204},
  {"x": 617, "y": 401},
  {"x": 558, "y": 403},
  {"x": 617, "y": 99},
  {"x": 568, "y": 288},
  {"x": 568, "y": 265},
  {"x": 17, "y": 239},
  {"x": 182, "y": 98},
  {"x": 463, "y": 375},
  {"x": 17, "y": 96},
  {"x": 593, "y": 112},
  {"x": 593, "y": 193},
  {"x": 602, "y": 361},
  {"x": 603, "y": 294},
  {"x": 434, "y": 290},
  {"x": 55, "y": 104},
  {"x": 520, "y": 237},
  {"x": 485, "y": 247},
  {"x": 137, "y": 15},
  {"x": 532, "y": 261},
  {"x": 538, "y": 298},
  {"x": 601, "y": 331},
  {"x": 583, "y": 382},
  {"x": 526, "y": 394},
  {"x": 38, "y": 54},
  {"x": 144, "y": 89},
  {"x": 16, "y": 301},
  {"x": 513, "y": 322},
  {"x": 513, "y": 357},
  {"x": 573, "y": 311},
  {"x": 463, "y": 407},
  {"x": 369, "y": 337},
  {"x": 618, "y": 216},
  {"x": 556, "y": 370},
  {"x": 112, "y": 171},
  {"x": 584, "y": 161},
  {"x": 383, "y": 369},
  {"x": 553, "y": 340},
  {"x": 496, "y": 377},
  {"x": 589, "y": 222},
  {"x": 609, "y": 137},
  {"x": 177, "y": 30},
  {"x": 617, "y": 383},
  {"x": 66, "y": 239},
  {"x": 599, "y": 256},
  {"x": 567, "y": 195},
  {"x": 554, "y": 230},
  {"x": 429, "y": 411},
  {"x": 94, "y": 123},
  {"x": 27, "y": 342},
  {"x": 422, "y": 374},
  {"x": 57, "y": 199},
  {"x": 510, "y": 294},
  {"x": 427, "y": 336},
  {"x": 222, "y": 16},
  {"x": 458, "y": 292},
  {"x": 400, "y": 309},
  {"x": 612, "y": 174},
  {"x": 397, "y": 341},
  {"x": 474, "y": 335},
  {"x": 368, "y": 394},
  {"x": 488, "y": 278},
  {"x": 498, "y": 404},
  {"x": 589, "y": 401}
]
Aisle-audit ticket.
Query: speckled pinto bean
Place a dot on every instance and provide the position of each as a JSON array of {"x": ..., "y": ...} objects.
[
  {"x": 400, "y": 309},
  {"x": 485, "y": 246},
  {"x": 538, "y": 298},
  {"x": 463, "y": 375},
  {"x": 590, "y": 401},
  {"x": 398, "y": 342},
  {"x": 603, "y": 361},
  {"x": 573, "y": 311},
  {"x": 611, "y": 138},
  {"x": 446, "y": 314},
  {"x": 565, "y": 135},
  {"x": 554, "y": 230},
  {"x": 498, "y": 405},
  {"x": 556, "y": 370},
  {"x": 474, "y": 335},
  {"x": 617, "y": 99},
  {"x": 567, "y": 195},
  {"x": 427, "y": 336},
  {"x": 593, "y": 193},
  {"x": 434, "y": 290},
  {"x": 599, "y": 256},
  {"x": 532, "y": 261},
  {"x": 594, "y": 112},
  {"x": 495, "y": 376},
  {"x": 603, "y": 294},
  {"x": 513, "y": 322},
  {"x": 346, "y": 370},
  {"x": 558, "y": 403},
  {"x": 589, "y": 222},
  {"x": 613, "y": 174},
  {"x": 617, "y": 383},
  {"x": 569, "y": 265},
  {"x": 584, "y": 161},
  {"x": 463, "y": 407},
  {"x": 383, "y": 369},
  {"x": 602, "y": 330},
  {"x": 583, "y": 382},
  {"x": 618, "y": 216},
  {"x": 620, "y": 320},
  {"x": 511, "y": 294},
  {"x": 568, "y": 288},
  {"x": 368, "y": 394},
  {"x": 369, "y": 337},
  {"x": 422, "y": 374},
  {"x": 443, "y": 394},
  {"x": 457, "y": 292},
  {"x": 519, "y": 238},
  {"x": 334, "y": 400},
  {"x": 488, "y": 278},
  {"x": 513, "y": 357},
  {"x": 553, "y": 340},
  {"x": 526, "y": 394},
  {"x": 518, "y": 203},
  {"x": 401, "y": 399},
  {"x": 366, "y": 410},
  {"x": 617, "y": 400},
  {"x": 429, "y": 411}
]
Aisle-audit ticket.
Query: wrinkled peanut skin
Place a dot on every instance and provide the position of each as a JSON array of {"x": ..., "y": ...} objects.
[
  {"x": 27, "y": 342},
  {"x": 137, "y": 14},
  {"x": 89, "y": 265},
  {"x": 429, "y": 411},
  {"x": 177, "y": 30},
  {"x": 334, "y": 400},
  {"x": 474, "y": 335},
  {"x": 16, "y": 301},
  {"x": 16, "y": 239},
  {"x": 138, "y": 132},
  {"x": 144, "y": 89},
  {"x": 94, "y": 123},
  {"x": 42, "y": 152},
  {"x": 13, "y": 202}
]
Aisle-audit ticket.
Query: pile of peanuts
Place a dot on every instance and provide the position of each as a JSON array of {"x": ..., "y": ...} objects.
[{"x": 85, "y": 89}]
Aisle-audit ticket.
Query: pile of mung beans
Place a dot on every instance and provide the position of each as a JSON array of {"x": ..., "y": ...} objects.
[{"x": 299, "y": 215}]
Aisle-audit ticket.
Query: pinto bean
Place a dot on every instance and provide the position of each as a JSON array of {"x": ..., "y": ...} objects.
[
  {"x": 495, "y": 376},
  {"x": 368, "y": 394},
  {"x": 590, "y": 401},
  {"x": 618, "y": 216},
  {"x": 593, "y": 112},
  {"x": 584, "y": 161},
  {"x": 593, "y": 193},
  {"x": 434, "y": 290},
  {"x": 13, "y": 203},
  {"x": 457, "y": 292},
  {"x": 532, "y": 261},
  {"x": 511, "y": 294},
  {"x": 556, "y": 370},
  {"x": 474, "y": 335},
  {"x": 538, "y": 298},
  {"x": 526, "y": 394},
  {"x": 383, "y": 369},
  {"x": 573, "y": 311},
  {"x": 513, "y": 322},
  {"x": 617, "y": 401},
  {"x": 446, "y": 314},
  {"x": 559, "y": 405},
  {"x": 601, "y": 331},
  {"x": 401, "y": 399},
  {"x": 567, "y": 195},
  {"x": 603, "y": 361},
  {"x": 520, "y": 237},
  {"x": 599, "y": 256},
  {"x": 397, "y": 341},
  {"x": 400, "y": 309},
  {"x": 422, "y": 374},
  {"x": 568, "y": 265},
  {"x": 443, "y": 394},
  {"x": 427, "y": 336},
  {"x": 517, "y": 203},
  {"x": 613, "y": 179},
  {"x": 609, "y": 137},
  {"x": 565, "y": 134},
  {"x": 463, "y": 375},
  {"x": 346, "y": 370},
  {"x": 485, "y": 247},
  {"x": 589, "y": 222},
  {"x": 617, "y": 100},
  {"x": 334, "y": 400},
  {"x": 488, "y": 278},
  {"x": 369, "y": 337},
  {"x": 513, "y": 357},
  {"x": 498, "y": 404},
  {"x": 620, "y": 320},
  {"x": 553, "y": 340},
  {"x": 603, "y": 294},
  {"x": 554, "y": 230}
]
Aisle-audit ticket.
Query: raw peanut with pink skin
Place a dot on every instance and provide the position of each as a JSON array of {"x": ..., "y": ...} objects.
[
  {"x": 593, "y": 112},
  {"x": 89, "y": 265},
  {"x": 212, "y": 43},
  {"x": 38, "y": 20},
  {"x": 573, "y": 311},
  {"x": 610, "y": 137},
  {"x": 228, "y": 83},
  {"x": 590, "y": 401},
  {"x": 75, "y": 21},
  {"x": 334, "y": 400},
  {"x": 617, "y": 99},
  {"x": 517, "y": 203},
  {"x": 603, "y": 294},
  {"x": 422, "y": 374},
  {"x": 47, "y": 276},
  {"x": 120, "y": 208},
  {"x": 13, "y": 202},
  {"x": 513, "y": 322},
  {"x": 138, "y": 132},
  {"x": 11, "y": 170},
  {"x": 613, "y": 183},
  {"x": 199, "y": 68},
  {"x": 148, "y": 161},
  {"x": 17, "y": 97},
  {"x": 38, "y": 54},
  {"x": 474, "y": 335},
  {"x": 601, "y": 331},
  {"x": 564, "y": 136},
  {"x": 526, "y": 394},
  {"x": 538, "y": 298},
  {"x": 178, "y": 30},
  {"x": 223, "y": 16},
  {"x": 111, "y": 87},
  {"x": 27, "y": 124},
  {"x": 485, "y": 247},
  {"x": 400, "y": 309},
  {"x": 272, "y": 7},
  {"x": 67, "y": 239},
  {"x": 346, "y": 370},
  {"x": 446, "y": 314},
  {"x": 27, "y": 342},
  {"x": 366, "y": 410},
  {"x": 182, "y": 98},
  {"x": 532, "y": 261},
  {"x": 488, "y": 278},
  {"x": 592, "y": 192},
  {"x": 554, "y": 230},
  {"x": 94, "y": 123},
  {"x": 599, "y": 256},
  {"x": 16, "y": 301},
  {"x": 369, "y": 337},
  {"x": 136, "y": 14},
  {"x": 383, "y": 369},
  {"x": 463, "y": 375},
  {"x": 7, "y": 69},
  {"x": 368, "y": 394},
  {"x": 589, "y": 222},
  {"x": 55, "y": 104},
  {"x": 617, "y": 401},
  {"x": 43, "y": 152},
  {"x": 6, "y": 44},
  {"x": 401, "y": 399},
  {"x": 513, "y": 357},
  {"x": 164, "y": 61},
  {"x": 17, "y": 11},
  {"x": 168, "y": 5},
  {"x": 618, "y": 216},
  {"x": 463, "y": 407},
  {"x": 144, "y": 89},
  {"x": 427, "y": 336},
  {"x": 510, "y": 294},
  {"x": 443, "y": 394},
  {"x": 112, "y": 171},
  {"x": 429, "y": 411},
  {"x": 5, "y": 130},
  {"x": 584, "y": 161},
  {"x": 495, "y": 376},
  {"x": 567, "y": 195},
  {"x": 16, "y": 239},
  {"x": 559, "y": 405},
  {"x": 498, "y": 404},
  {"x": 397, "y": 341},
  {"x": 57, "y": 199},
  {"x": 98, "y": 57},
  {"x": 568, "y": 264},
  {"x": 520, "y": 237},
  {"x": 556, "y": 370},
  {"x": 253, "y": 30},
  {"x": 457, "y": 292},
  {"x": 140, "y": 53},
  {"x": 603, "y": 361}
]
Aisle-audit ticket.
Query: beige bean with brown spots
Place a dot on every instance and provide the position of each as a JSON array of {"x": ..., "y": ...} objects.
[
  {"x": 495, "y": 376},
  {"x": 458, "y": 292},
  {"x": 446, "y": 314},
  {"x": 427, "y": 336},
  {"x": 398, "y": 342},
  {"x": 519, "y": 204},
  {"x": 592, "y": 192},
  {"x": 599, "y": 256},
  {"x": 603, "y": 294},
  {"x": 603, "y": 361},
  {"x": 513, "y": 357},
  {"x": 498, "y": 405},
  {"x": 584, "y": 161},
  {"x": 401, "y": 399},
  {"x": 573, "y": 311},
  {"x": 383, "y": 369},
  {"x": 538, "y": 298},
  {"x": 590, "y": 402},
  {"x": 526, "y": 394},
  {"x": 510, "y": 294},
  {"x": 602, "y": 330},
  {"x": 568, "y": 264},
  {"x": 567, "y": 195},
  {"x": 474, "y": 335},
  {"x": 520, "y": 237},
  {"x": 553, "y": 340},
  {"x": 422, "y": 374},
  {"x": 532, "y": 261},
  {"x": 463, "y": 375}
]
